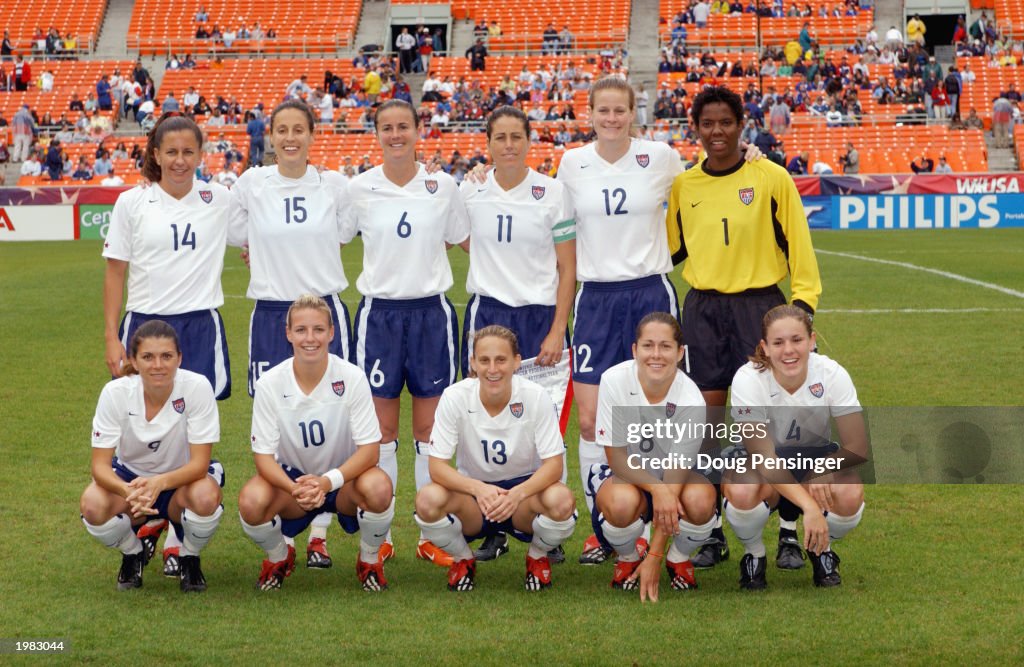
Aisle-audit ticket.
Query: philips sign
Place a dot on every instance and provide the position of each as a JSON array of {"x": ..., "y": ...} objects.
[{"x": 927, "y": 211}]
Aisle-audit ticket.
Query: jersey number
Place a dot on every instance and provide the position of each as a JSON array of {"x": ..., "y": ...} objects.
[
  {"x": 725, "y": 229},
  {"x": 581, "y": 365},
  {"x": 312, "y": 433},
  {"x": 294, "y": 211},
  {"x": 154, "y": 446},
  {"x": 404, "y": 227},
  {"x": 794, "y": 432},
  {"x": 188, "y": 237},
  {"x": 376, "y": 376},
  {"x": 619, "y": 206},
  {"x": 498, "y": 448},
  {"x": 505, "y": 223}
]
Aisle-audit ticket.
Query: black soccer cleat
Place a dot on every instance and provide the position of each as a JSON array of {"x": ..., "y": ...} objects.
[
  {"x": 192, "y": 579},
  {"x": 789, "y": 556},
  {"x": 130, "y": 574},
  {"x": 714, "y": 551},
  {"x": 172, "y": 568},
  {"x": 556, "y": 555},
  {"x": 148, "y": 533},
  {"x": 493, "y": 546},
  {"x": 752, "y": 573},
  {"x": 826, "y": 569}
]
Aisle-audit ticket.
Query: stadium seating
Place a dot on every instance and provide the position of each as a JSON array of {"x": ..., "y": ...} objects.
[
  {"x": 69, "y": 77},
  {"x": 988, "y": 83},
  {"x": 1010, "y": 16},
  {"x": 81, "y": 18}
]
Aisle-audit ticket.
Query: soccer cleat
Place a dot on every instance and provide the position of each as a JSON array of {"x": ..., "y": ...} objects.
[
  {"x": 371, "y": 575},
  {"x": 623, "y": 571},
  {"x": 192, "y": 579},
  {"x": 130, "y": 574},
  {"x": 681, "y": 575},
  {"x": 172, "y": 566},
  {"x": 148, "y": 533},
  {"x": 272, "y": 574},
  {"x": 493, "y": 546},
  {"x": 386, "y": 552},
  {"x": 317, "y": 557},
  {"x": 538, "y": 573},
  {"x": 641, "y": 547},
  {"x": 429, "y": 551},
  {"x": 790, "y": 556},
  {"x": 713, "y": 552},
  {"x": 462, "y": 575},
  {"x": 826, "y": 569},
  {"x": 556, "y": 555},
  {"x": 593, "y": 552},
  {"x": 752, "y": 572}
]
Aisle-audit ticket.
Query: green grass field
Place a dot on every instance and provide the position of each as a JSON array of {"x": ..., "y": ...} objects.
[{"x": 932, "y": 575}]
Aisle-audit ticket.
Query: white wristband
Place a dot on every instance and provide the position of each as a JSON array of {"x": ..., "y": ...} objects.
[{"x": 336, "y": 478}]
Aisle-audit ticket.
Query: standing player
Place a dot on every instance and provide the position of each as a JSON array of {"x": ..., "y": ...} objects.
[
  {"x": 169, "y": 238},
  {"x": 151, "y": 440},
  {"x": 405, "y": 327},
  {"x": 316, "y": 444},
  {"x": 289, "y": 215},
  {"x": 741, "y": 228},
  {"x": 680, "y": 503},
  {"x": 504, "y": 433},
  {"x": 795, "y": 393},
  {"x": 522, "y": 258}
]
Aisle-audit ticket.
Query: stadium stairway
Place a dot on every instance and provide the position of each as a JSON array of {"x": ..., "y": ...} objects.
[
  {"x": 643, "y": 45},
  {"x": 999, "y": 159},
  {"x": 114, "y": 30},
  {"x": 888, "y": 14},
  {"x": 372, "y": 28},
  {"x": 462, "y": 37}
]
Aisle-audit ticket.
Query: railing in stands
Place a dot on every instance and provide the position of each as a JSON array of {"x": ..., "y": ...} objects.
[{"x": 288, "y": 46}]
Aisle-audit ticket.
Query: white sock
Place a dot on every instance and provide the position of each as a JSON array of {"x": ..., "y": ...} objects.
[
  {"x": 268, "y": 537},
  {"x": 690, "y": 538},
  {"x": 446, "y": 534},
  {"x": 116, "y": 534},
  {"x": 373, "y": 530},
  {"x": 422, "y": 463},
  {"x": 590, "y": 454},
  {"x": 198, "y": 530},
  {"x": 388, "y": 461},
  {"x": 839, "y": 526},
  {"x": 787, "y": 525},
  {"x": 549, "y": 534},
  {"x": 749, "y": 526},
  {"x": 623, "y": 540},
  {"x": 319, "y": 525},
  {"x": 172, "y": 540}
]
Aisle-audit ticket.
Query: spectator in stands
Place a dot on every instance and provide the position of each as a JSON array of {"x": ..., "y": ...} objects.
[
  {"x": 228, "y": 38},
  {"x": 24, "y": 130},
  {"x": 805, "y": 37},
  {"x": 226, "y": 177},
  {"x": 1002, "y": 119},
  {"x": 76, "y": 104},
  {"x": 256, "y": 129},
  {"x": 405, "y": 44},
  {"x": 64, "y": 135},
  {"x": 146, "y": 108},
  {"x": 943, "y": 167},
  {"x": 170, "y": 104},
  {"x": 566, "y": 40},
  {"x": 372, "y": 84},
  {"x": 798, "y": 165},
  {"x": 1011, "y": 93},
  {"x": 201, "y": 107},
  {"x": 833, "y": 117},
  {"x": 893, "y": 38},
  {"x": 82, "y": 170},
  {"x": 53, "y": 164},
  {"x": 851, "y": 160},
  {"x": 973, "y": 122},
  {"x": 701, "y": 11},
  {"x": 6, "y": 47},
  {"x": 477, "y": 55},
  {"x": 120, "y": 152},
  {"x": 922, "y": 165},
  {"x": 299, "y": 89},
  {"x": 46, "y": 81},
  {"x": 765, "y": 140},
  {"x": 103, "y": 165},
  {"x": 202, "y": 16},
  {"x": 940, "y": 101},
  {"x": 549, "y": 40},
  {"x": 203, "y": 173},
  {"x": 916, "y": 30},
  {"x": 821, "y": 168},
  {"x": 22, "y": 73},
  {"x": 111, "y": 180},
  {"x": 779, "y": 116},
  {"x": 31, "y": 166}
]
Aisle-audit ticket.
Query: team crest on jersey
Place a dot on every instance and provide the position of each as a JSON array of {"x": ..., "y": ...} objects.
[
  {"x": 431, "y": 186},
  {"x": 206, "y": 195},
  {"x": 538, "y": 191},
  {"x": 747, "y": 195},
  {"x": 516, "y": 409},
  {"x": 338, "y": 387},
  {"x": 179, "y": 405},
  {"x": 643, "y": 160},
  {"x": 670, "y": 409},
  {"x": 817, "y": 389}
]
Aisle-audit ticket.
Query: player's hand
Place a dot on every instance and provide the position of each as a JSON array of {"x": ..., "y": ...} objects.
[
  {"x": 752, "y": 153},
  {"x": 142, "y": 493},
  {"x": 115, "y": 357},
  {"x": 506, "y": 506},
  {"x": 245, "y": 255},
  {"x": 433, "y": 166},
  {"x": 487, "y": 497},
  {"x": 478, "y": 174},
  {"x": 308, "y": 492},
  {"x": 667, "y": 509},
  {"x": 815, "y": 532},
  {"x": 649, "y": 574},
  {"x": 822, "y": 494},
  {"x": 551, "y": 349}
]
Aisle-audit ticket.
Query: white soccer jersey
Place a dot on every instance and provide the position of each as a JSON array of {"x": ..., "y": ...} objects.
[
  {"x": 174, "y": 247},
  {"x": 618, "y": 398},
  {"x": 160, "y": 445},
  {"x": 492, "y": 449},
  {"x": 620, "y": 209},
  {"x": 404, "y": 232},
  {"x": 317, "y": 432},
  {"x": 513, "y": 236},
  {"x": 801, "y": 419},
  {"x": 293, "y": 228}
]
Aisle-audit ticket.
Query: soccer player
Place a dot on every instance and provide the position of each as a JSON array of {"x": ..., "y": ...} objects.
[
  {"x": 151, "y": 440},
  {"x": 522, "y": 259},
  {"x": 741, "y": 229},
  {"x": 405, "y": 327},
  {"x": 316, "y": 443},
  {"x": 680, "y": 503},
  {"x": 504, "y": 433},
  {"x": 169, "y": 238},
  {"x": 792, "y": 393},
  {"x": 289, "y": 217}
]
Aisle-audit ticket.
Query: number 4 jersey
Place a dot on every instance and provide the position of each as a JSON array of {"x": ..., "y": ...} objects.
[{"x": 175, "y": 247}]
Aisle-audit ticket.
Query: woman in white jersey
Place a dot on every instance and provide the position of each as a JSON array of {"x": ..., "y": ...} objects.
[
  {"x": 316, "y": 443},
  {"x": 522, "y": 257},
  {"x": 792, "y": 394},
  {"x": 504, "y": 433},
  {"x": 405, "y": 328},
  {"x": 650, "y": 389},
  {"x": 289, "y": 215},
  {"x": 151, "y": 440}
]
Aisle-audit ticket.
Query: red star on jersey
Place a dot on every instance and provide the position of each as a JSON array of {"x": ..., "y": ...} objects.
[
  {"x": 106, "y": 245},
  {"x": 601, "y": 432},
  {"x": 254, "y": 438},
  {"x": 97, "y": 434}
]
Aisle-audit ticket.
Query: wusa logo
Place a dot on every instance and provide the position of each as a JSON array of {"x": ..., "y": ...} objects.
[
  {"x": 431, "y": 186},
  {"x": 747, "y": 195},
  {"x": 817, "y": 389},
  {"x": 643, "y": 160},
  {"x": 179, "y": 405},
  {"x": 206, "y": 195},
  {"x": 516, "y": 409},
  {"x": 670, "y": 409},
  {"x": 538, "y": 191},
  {"x": 338, "y": 387}
]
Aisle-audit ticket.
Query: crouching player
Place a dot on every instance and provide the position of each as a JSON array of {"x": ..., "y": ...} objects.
[
  {"x": 793, "y": 393},
  {"x": 151, "y": 441},
  {"x": 316, "y": 442},
  {"x": 509, "y": 452},
  {"x": 629, "y": 494}
]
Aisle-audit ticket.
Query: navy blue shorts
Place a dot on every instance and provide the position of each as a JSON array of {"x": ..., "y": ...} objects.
[
  {"x": 605, "y": 319},
  {"x": 293, "y": 527},
  {"x": 163, "y": 501},
  {"x": 493, "y": 528},
  {"x": 599, "y": 474},
  {"x": 722, "y": 330},
  {"x": 530, "y": 324},
  {"x": 204, "y": 347},
  {"x": 410, "y": 342},
  {"x": 268, "y": 344}
]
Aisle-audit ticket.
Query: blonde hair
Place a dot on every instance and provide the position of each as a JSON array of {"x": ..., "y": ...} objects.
[
  {"x": 309, "y": 302},
  {"x": 612, "y": 83}
]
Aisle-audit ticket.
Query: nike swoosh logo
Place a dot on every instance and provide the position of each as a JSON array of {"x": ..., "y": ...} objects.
[
  {"x": 374, "y": 188},
  {"x": 693, "y": 540},
  {"x": 584, "y": 166},
  {"x": 132, "y": 414},
  {"x": 773, "y": 395},
  {"x": 472, "y": 412},
  {"x": 439, "y": 381},
  {"x": 484, "y": 190},
  {"x": 632, "y": 393},
  {"x": 384, "y": 534},
  {"x": 287, "y": 395},
  {"x": 692, "y": 205}
]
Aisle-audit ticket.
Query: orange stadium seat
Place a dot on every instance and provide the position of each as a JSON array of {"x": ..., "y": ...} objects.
[
  {"x": 1010, "y": 16},
  {"x": 78, "y": 77},
  {"x": 81, "y": 18}
]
